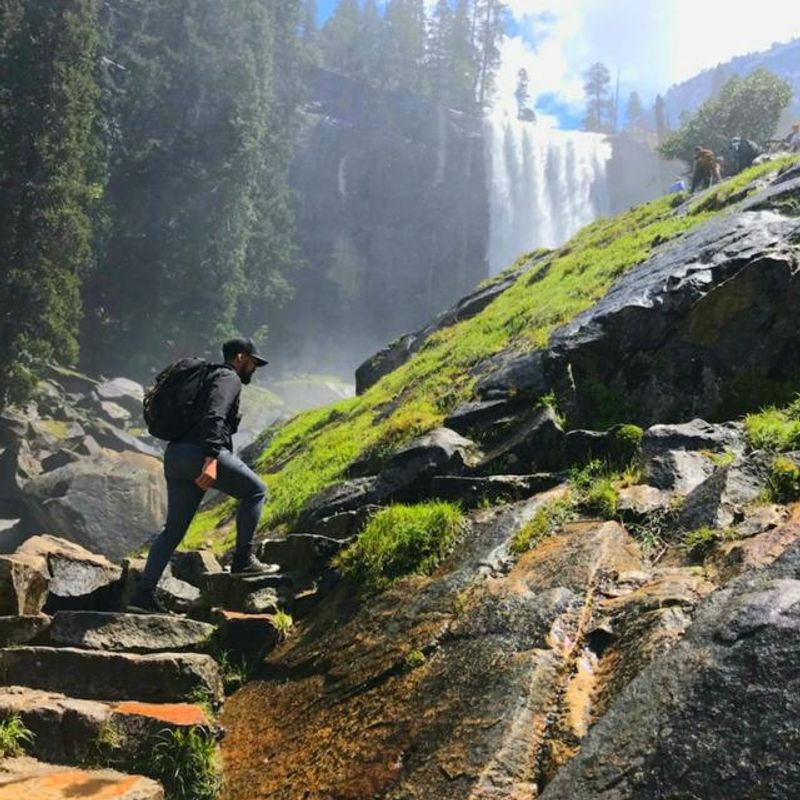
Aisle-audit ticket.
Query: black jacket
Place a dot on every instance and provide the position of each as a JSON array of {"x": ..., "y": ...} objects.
[{"x": 220, "y": 420}]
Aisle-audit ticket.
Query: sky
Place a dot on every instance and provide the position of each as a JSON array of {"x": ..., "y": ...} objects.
[{"x": 650, "y": 43}]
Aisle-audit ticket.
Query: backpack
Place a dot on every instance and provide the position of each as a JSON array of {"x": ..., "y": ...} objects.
[{"x": 173, "y": 405}]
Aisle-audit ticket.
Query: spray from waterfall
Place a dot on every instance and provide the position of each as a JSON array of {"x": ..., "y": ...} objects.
[{"x": 545, "y": 184}]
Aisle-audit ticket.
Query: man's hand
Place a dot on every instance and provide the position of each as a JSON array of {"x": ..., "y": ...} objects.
[{"x": 208, "y": 477}]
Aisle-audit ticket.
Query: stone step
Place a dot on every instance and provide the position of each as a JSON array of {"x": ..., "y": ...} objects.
[
  {"x": 249, "y": 635},
  {"x": 253, "y": 594},
  {"x": 35, "y": 780},
  {"x": 139, "y": 633},
  {"x": 87, "y": 674},
  {"x": 19, "y": 630},
  {"x": 71, "y": 730}
]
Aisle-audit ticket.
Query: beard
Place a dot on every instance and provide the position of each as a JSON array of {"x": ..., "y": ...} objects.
[{"x": 246, "y": 378}]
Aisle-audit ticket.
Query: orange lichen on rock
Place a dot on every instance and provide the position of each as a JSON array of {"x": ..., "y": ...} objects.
[{"x": 172, "y": 713}]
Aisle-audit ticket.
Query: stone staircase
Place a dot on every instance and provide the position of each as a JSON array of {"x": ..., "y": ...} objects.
[{"x": 97, "y": 687}]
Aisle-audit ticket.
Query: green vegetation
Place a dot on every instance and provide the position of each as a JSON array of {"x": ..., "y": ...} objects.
[
  {"x": 748, "y": 107},
  {"x": 401, "y": 540},
  {"x": 698, "y": 542},
  {"x": 416, "y": 658},
  {"x": 594, "y": 488},
  {"x": 776, "y": 429},
  {"x": 783, "y": 484},
  {"x": 185, "y": 761},
  {"x": 724, "y": 459},
  {"x": 104, "y": 747},
  {"x": 13, "y": 737},
  {"x": 546, "y": 520},
  {"x": 283, "y": 623}
]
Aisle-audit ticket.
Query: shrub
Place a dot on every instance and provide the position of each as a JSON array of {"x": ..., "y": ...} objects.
[
  {"x": 699, "y": 541},
  {"x": 13, "y": 737},
  {"x": 401, "y": 540},
  {"x": 185, "y": 762},
  {"x": 776, "y": 429},
  {"x": 784, "y": 481}
]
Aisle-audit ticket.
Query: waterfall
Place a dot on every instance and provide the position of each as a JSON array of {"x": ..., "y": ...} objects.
[{"x": 545, "y": 184}]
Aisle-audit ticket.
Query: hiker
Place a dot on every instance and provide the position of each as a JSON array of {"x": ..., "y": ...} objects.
[
  {"x": 678, "y": 186},
  {"x": 718, "y": 170},
  {"x": 794, "y": 138},
  {"x": 744, "y": 153},
  {"x": 203, "y": 457},
  {"x": 704, "y": 165}
]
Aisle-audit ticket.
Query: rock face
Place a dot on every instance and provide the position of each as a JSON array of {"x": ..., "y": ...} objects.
[{"x": 714, "y": 718}]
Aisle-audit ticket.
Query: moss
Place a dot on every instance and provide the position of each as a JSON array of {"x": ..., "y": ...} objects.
[
  {"x": 547, "y": 519},
  {"x": 784, "y": 481},
  {"x": 776, "y": 429},
  {"x": 624, "y": 442},
  {"x": 56, "y": 428},
  {"x": 594, "y": 488},
  {"x": 415, "y": 659},
  {"x": 401, "y": 540},
  {"x": 697, "y": 543}
]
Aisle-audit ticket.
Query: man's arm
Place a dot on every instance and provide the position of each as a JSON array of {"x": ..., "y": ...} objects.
[{"x": 224, "y": 390}]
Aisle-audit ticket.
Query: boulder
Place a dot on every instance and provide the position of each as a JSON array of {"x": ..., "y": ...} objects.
[
  {"x": 113, "y": 413},
  {"x": 70, "y": 381},
  {"x": 110, "y": 503},
  {"x": 138, "y": 633},
  {"x": 77, "y": 577},
  {"x": 640, "y": 500},
  {"x": 300, "y": 553},
  {"x": 249, "y": 635},
  {"x": 339, "y": 498},
  {"x": 192, "y": 565},
  {"x": 534, "y": 443},
  {"x": 88, "y": 446},
  {"x": 61, "y": 458},
  {"x": 24, "y": 579},
  {"x": 118, "y": 440},
  {"x": 254, "y": 594},
  {"x": 12, "y": 534},
  {"x": 345, "y": 524},
  {"x": 175, "y": 594},
  {"x": 483, "y": 416},
  {"x": 716, "y": 716},
  {"x": 18, "y": 465},
  {"x": 122, "y": 392},
  {"x": 731, "y": 558},
  {"x": 94, "y": 675}
]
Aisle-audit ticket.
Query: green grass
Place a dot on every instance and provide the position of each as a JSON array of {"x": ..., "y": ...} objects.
[
  {"x": 314, "y": 449},
  {"x": 698, "y": 542},
  {"x": 283, "y": 623},
  {"x": 546, "y": 520},
  {"x": 401, "y": 540},
  {"x": 776, "y": 429},
  {"x": 14, "y": 737},
  {"x": 186, "y": 762},
  {"x": 783, "y": 484}
]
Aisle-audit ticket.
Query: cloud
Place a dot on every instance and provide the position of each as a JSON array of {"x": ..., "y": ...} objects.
[{"x": 650, "y": 43}]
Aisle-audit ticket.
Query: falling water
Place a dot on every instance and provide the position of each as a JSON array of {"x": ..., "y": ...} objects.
[{"x": 545, "y": 184}]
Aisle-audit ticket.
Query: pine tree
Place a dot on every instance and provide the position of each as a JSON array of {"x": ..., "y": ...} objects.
[
  {"x": 661, "y": 119},
  {"x": 369, "y": 42},
  {"x": 309, "y": 29},
  {"x": 45, "y": 233},
  {"x": 599, "y": 105},
  {"x": 404, "y": 45},
  {"x": 490, "y": 32},
  {"x": 439, "y": 55},
  {"x": 340, "y": 40},
  {"x": 464, "y": 57}
]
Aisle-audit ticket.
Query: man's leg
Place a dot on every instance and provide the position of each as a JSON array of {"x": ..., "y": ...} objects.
[
  {"x": 183, "y": 498},
  {"x": 236, "y": 479}
]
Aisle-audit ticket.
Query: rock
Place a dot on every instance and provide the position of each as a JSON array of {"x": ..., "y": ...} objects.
[
  {"x": 24, "y": 777},
  {"x": 88, "y": 446},
  {"x": 252, "y": 594},
  {"x": 93, "y": 675},
  {"x": 177, "y": 595},
  {"x": 729, "y": 559},
  {"x": 640, "y": 500},
  {"x": 192, "y": 565},
  {"x": 720, "y": 501},
  {"x": 24, "y": 580},
  {"x": 78, "y": 578},
  {"x": 407, "y": 474},
  {"x": 481, "y": 416},
  {"x": 12, "y": 534},
  {"x": 713, "y": 718},
  {"x": 345, "y": 524},
  {"x": 534, "y": 444},
  {"x": 123, "y": 392},
  {"x": 119, "y": 441},
  {"x": 114, "y": 413},
  {"x": 300, "y": 553},
  {"x": 249, "y": 635},
  {"x": 60, "y": 458},
  {"x": 111, "y": 503},
  {"x": 339, "y": 498},
  {"x": 474, "y": 492},
  {"x": 16, "y": 630},
  {"x": 18, "y": 465},
  {"x": 139, "y": 633},
  {"x": 70, "y": 381},
  {"x": 762, "y": 518},
  {"x": 69, "y": 730}
]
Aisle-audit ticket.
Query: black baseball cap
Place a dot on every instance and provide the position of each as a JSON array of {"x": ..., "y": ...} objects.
[{"x": 233, "y": 347}]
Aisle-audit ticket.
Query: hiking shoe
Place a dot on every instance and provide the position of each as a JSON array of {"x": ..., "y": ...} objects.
[
  {"x": 147, "y": 604},
  {"x": 252, "y": 566}
]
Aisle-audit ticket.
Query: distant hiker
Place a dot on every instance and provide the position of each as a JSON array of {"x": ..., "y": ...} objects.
[
  {"x": 678, "y": 186},
  {"x": 794, "y": 138},
  {"x": 201, "y": 456},
  {"x": 718, "y": 171},
  {"x": 743, "y": 152},
  {"x": 703, "y": 169}
]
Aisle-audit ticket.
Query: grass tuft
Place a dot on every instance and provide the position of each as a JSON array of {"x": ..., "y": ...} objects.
[
  {"x": 546, "y": 520},
  {"x": 401, "y": 540},
  {"x": 14, "y": 736}
]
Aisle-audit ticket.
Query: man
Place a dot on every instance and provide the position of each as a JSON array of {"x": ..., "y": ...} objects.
[
  {"x": 203, "y": 457},
  {"x": 704, "y": 165},
  {"x": 794, "y": 138}
]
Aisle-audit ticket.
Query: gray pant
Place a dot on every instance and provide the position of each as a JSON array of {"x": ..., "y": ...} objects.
[{"x": 182, "y": 464}]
